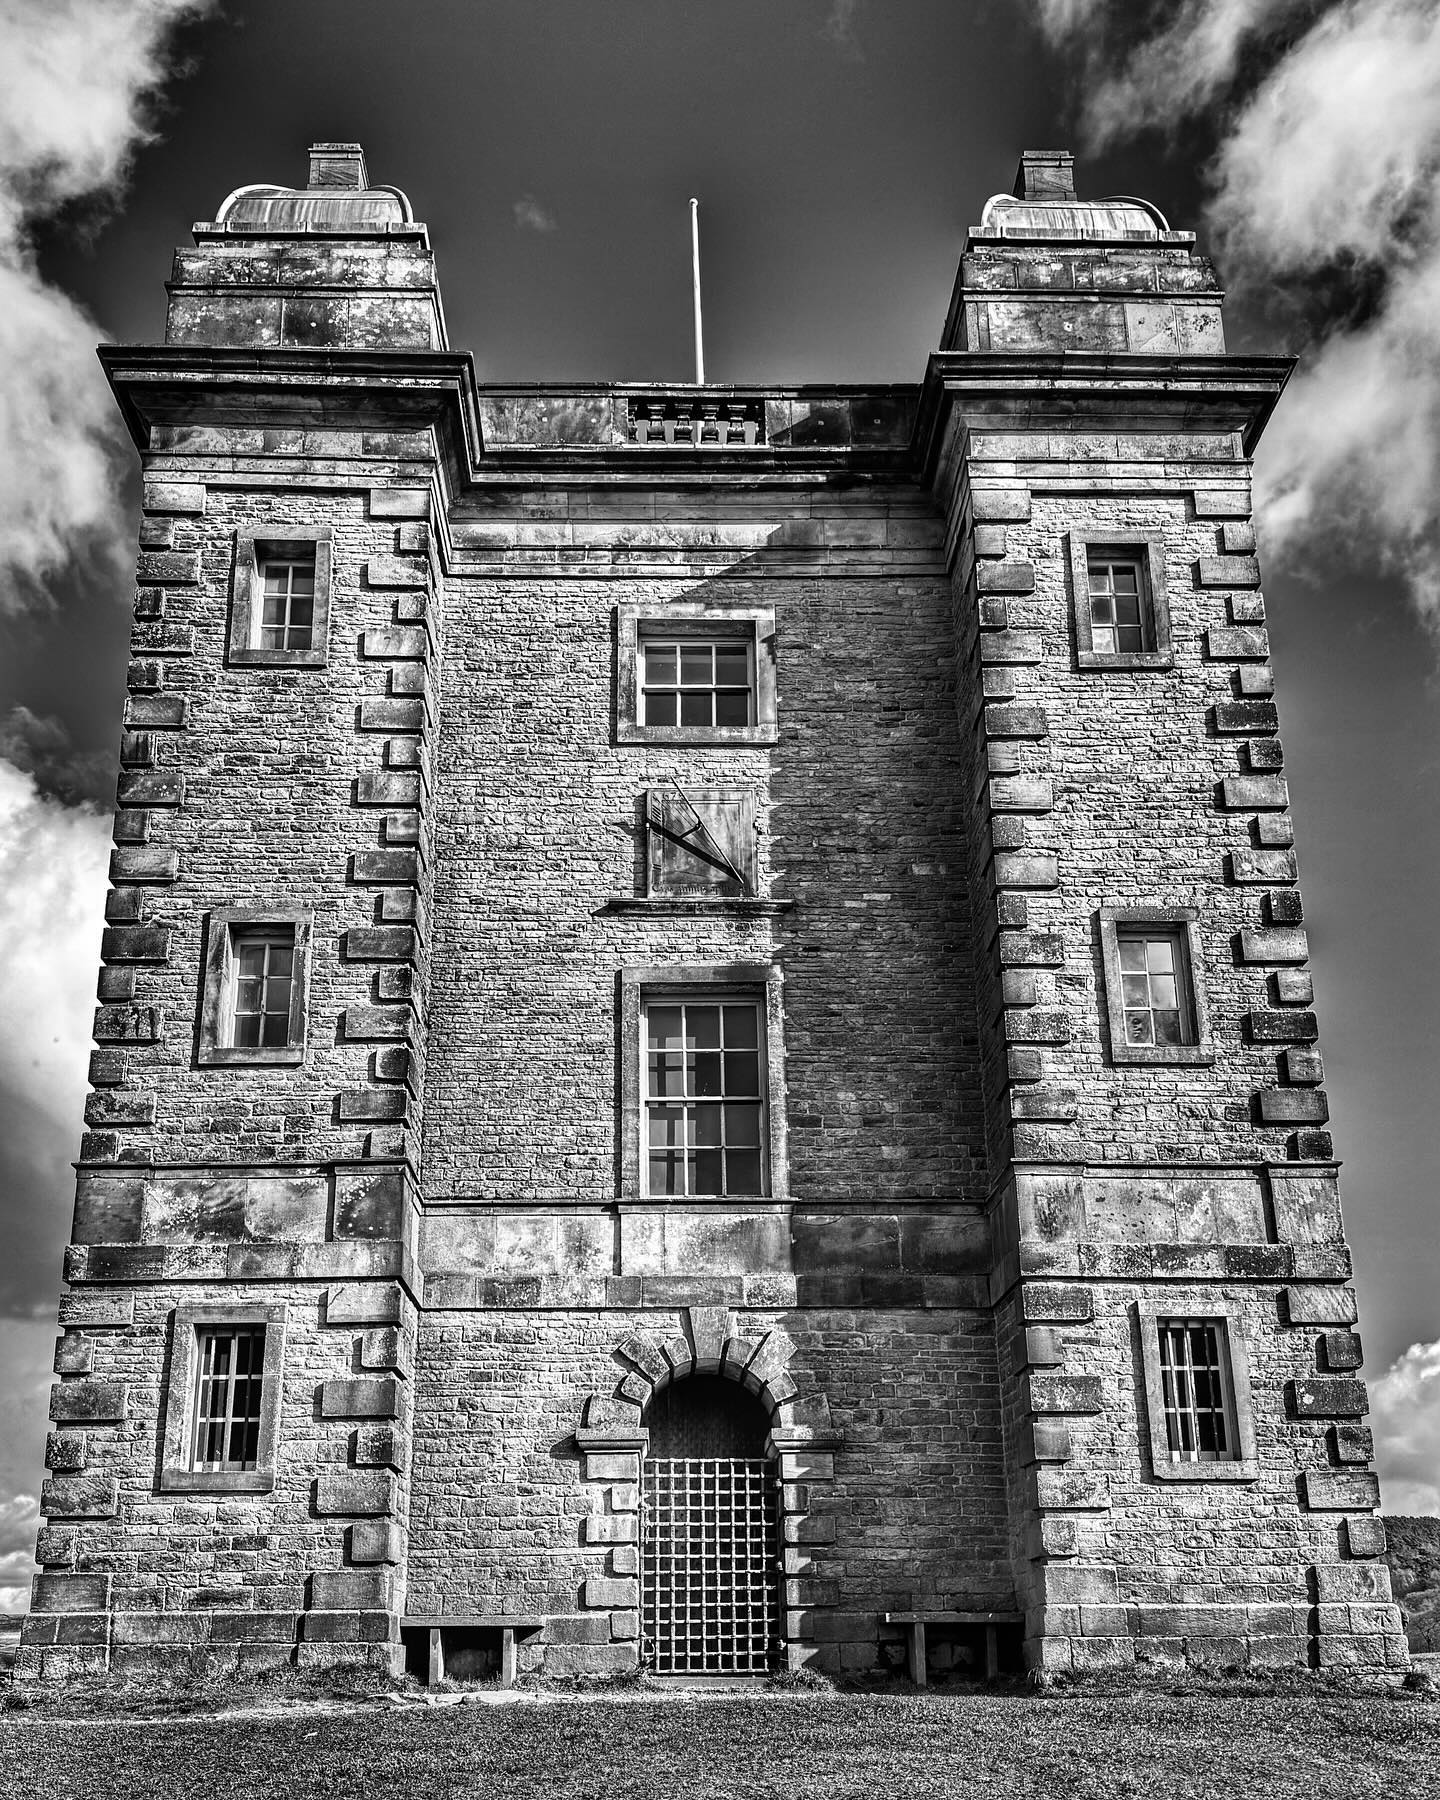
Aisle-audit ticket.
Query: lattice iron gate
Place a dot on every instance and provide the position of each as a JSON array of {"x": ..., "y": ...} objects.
[{"x": 710, "y": 1565}]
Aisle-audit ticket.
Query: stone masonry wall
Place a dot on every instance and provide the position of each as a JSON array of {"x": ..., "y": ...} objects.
[{"x": 503, "y": 1513}]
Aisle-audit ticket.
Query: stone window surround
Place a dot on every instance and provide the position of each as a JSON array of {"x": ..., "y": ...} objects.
[
  {"x": 1187, "y": 1304},
  {"x": 1110, "y": 918},
  {"x": 176, "y": 1475},
  {"x": 216, "y": 1000},
  {"x": 692, "y": 619},
  {"x": 246, "y": 594},
  {"x": 755, "y": 981},
  {"x": 1149, "y": 546}
]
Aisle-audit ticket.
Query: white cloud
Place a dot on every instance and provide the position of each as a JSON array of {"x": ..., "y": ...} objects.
[
  {"x": 54, "y": 861},
  {"x": 1405, "y": 1416},
  {"x": 530, "y": 215},
  {"x": 19, "y": 1517},
  {"x": 839, "y": 29},
  {"x": 1327, "y": 162},
  {"x": 77, "y": 78}
]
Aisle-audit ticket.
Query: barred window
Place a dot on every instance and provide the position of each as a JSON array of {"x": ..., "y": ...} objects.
[
  {"x": 705, "y": 1096},
  {"x": 287, "y": 607},
  {"x": 697, "y": 682},
  {"x": 229, "y": 1366},
  {"x": 1195, "y": 1384}
]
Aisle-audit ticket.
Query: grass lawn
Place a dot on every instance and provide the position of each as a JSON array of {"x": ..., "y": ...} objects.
[{"x": 742, "y": 1747}]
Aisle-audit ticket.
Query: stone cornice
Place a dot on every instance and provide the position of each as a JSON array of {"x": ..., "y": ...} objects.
[{"x": 1084, "y": 391}]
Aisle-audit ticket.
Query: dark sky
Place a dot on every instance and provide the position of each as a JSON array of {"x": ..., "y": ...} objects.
[{"x": 838, "y": 153}]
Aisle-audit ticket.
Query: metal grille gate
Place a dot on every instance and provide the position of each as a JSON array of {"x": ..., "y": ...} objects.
[{"x": 708, "y": 1583}]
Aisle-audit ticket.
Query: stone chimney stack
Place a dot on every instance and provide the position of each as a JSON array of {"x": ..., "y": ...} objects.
[
  {"x": 1042, "y": 175},
  {"x": 337, "y": 166}
]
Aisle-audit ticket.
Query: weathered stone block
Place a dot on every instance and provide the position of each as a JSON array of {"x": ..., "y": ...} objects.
[
  {"x": 360, "y": 1399},
  {"x": 70, "y": 1594},
  {"x": 1328, "y": 1397},
  {"x": 1340, "y": 1490},
  {"x": 87, "y": 1496},
  {"x": 354, "y": 1491},
  {"x": 88, "y": 1402}
]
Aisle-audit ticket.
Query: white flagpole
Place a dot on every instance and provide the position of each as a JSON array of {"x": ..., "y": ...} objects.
[{"x": 695, "y": 266}]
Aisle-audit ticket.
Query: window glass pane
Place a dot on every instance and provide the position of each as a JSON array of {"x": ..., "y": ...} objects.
[
  {"x": 742, "y": 1072},
  {"x": 743, "y": 1171},
  {"x": 667, "y": 1127},
  {"x": 742, "y": 1027},
  {"x": 665, "y": 1026},
  {"x": 1132, "y": 953},
  {"x": 702, "y": 1025},
  {"x": 707, "y": 1065},
  {"x": 732, "y": 666},
  {"x": 708, "y": 1167},
  {"x": 697, "y": 708},
  {"x": 732, "y": 706},
  {"x": 1137, "y": 1027},
  {"x": 697, "y": 665},
  {"x": 660, "y": 664},
  {"x": 742, "y": 1126},
  {"x": 660, "y": 709},
  {"x": 705, "y": 1125}
]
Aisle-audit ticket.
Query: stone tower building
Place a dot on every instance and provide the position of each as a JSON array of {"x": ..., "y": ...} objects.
[{"x": 704, "y": 1050}]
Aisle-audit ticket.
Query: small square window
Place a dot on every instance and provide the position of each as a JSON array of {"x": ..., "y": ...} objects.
[
  {"x": 1118, "y": 588},
  {"x": 701, "y": 1083},
  {"x": 280, "y": 602},
  {"x": 223, "y": 1400},
  {"x": 256, "y": 976},
  {"x": 696, "y": 675},
  {"x": 1154, "y": 1000},
  {"x": 699, "y": 843},
  {"x": 1197, "y": 1395}
]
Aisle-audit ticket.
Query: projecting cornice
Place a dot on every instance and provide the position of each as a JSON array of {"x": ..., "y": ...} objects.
[{"x": 1082, "y": 391}]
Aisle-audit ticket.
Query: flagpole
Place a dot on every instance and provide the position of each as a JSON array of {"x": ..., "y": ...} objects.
[{"x": 695, "y": 268}]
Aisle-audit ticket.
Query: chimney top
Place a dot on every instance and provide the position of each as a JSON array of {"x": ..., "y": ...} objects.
[
  {"x": 1045, "y": 175},
  {"x": 337, "y": 166}
]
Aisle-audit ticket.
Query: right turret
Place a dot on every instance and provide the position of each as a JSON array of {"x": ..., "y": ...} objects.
[{"x": 1045, "y": 270}]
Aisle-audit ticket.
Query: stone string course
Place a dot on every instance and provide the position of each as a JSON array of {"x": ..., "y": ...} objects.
[{"x": 940, "y": 1325}]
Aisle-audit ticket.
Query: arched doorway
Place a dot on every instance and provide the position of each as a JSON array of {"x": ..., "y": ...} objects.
[{"x": 710, "y": 1548}]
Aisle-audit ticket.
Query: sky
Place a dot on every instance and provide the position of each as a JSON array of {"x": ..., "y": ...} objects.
[{"x": 839, "y": 149}]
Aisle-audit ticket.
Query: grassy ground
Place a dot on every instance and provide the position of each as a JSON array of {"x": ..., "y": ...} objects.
[{"x": 1078, "y": 1745}]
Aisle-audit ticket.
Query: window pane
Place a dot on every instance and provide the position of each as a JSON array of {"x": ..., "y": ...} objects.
[
  {"x": 1132, "y": 953},
  {"x": 1160, "y": 953},
  {"x": 660, "y": 665},
  {"x": 732, "y": 706},
  {"x": 667, "y": 1173},
  {"x": 697, "y": 665},
  {"x": 742, "y": 1072},
  {"x": 1137, "y": 1027},
  {"x": 702, "y": 1025},
  {"x": 708, "y": 1168},
  {"x": 707, "y": 1078},
  {"x": 742, "y": 1126},
  {"x": 743, "y": 1171},
  {"x": 741, "y": 1027},
  {"x": 660, "y": 709},
  {"x": 667, "y": 1127},
  {"x": 697, "y": 708},
  {"x": 705, "y": 1125},
  {"x": 665, "y": 1026},
  {"x": 732, "y": 666},
  {"x": 667, "y": 1074}
]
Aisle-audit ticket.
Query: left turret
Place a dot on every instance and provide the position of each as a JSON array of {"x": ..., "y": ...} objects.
[{"x": 335, "y": 265}]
